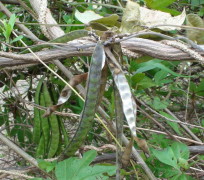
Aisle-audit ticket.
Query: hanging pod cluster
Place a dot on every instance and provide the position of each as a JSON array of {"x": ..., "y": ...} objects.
[
  {"x": 48, "y": 131},
  {"x": 49, "y": 126}
]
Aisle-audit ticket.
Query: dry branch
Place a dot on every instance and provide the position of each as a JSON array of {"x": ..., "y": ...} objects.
[{"x": 77, "y": 48}]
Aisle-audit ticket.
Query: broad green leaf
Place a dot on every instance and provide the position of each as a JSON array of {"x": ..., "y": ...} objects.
[
  {"x": 160, "y": 140},
  {"x": 200, "y": 89},
  {"x": 174, "y": 125},
  {"x": 182, "y": 177},
  {"x": 45, "y": 165},
  {"x": 158, "y": 104},
  {"x": 145, "y": 83},
  {"x": 161, "y": 5},
  {"x": 95, "y": 172},
  {"x": 137, "y": 77},
  {"x": 193, "y": 87},
  {"x": 110, "y": 21},
  {"x": 183, "y": 163},
  {"x": 146, "y": 66},
  {"x": 166, "y": 171},
  {"x": 166, "y": 156},
  {"x": 12, "y": 20},
  {"x": 87, "y": 16},
  {"x": 180, "y": 150},
  {"x": 160, "y": 75},
  {"x": 79, "y": 169},
  {"x": 158, "y": 3}
]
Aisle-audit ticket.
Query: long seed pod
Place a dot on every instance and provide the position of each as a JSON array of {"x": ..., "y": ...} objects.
[
  {"x": 41, "y": 148},
  {"x": 62, "y": 39},
  {"x": 44, "y": 124},
  {"x": 90, "y": 106},
  {"x": 128, "y": 103},
  {"x": 119, "y": 130},
  {"x": 37, "y": 117},
  {"x": 53, "y": 121}
]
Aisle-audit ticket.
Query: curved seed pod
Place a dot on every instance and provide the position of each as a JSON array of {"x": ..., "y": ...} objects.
[
  {"x": 128, "y": 103},
  {"x": 62, "y": 39},
  {"x": 44, "y": 123},
  {"x": 71, "y": 36},
  {"x": 41, "y": 148},
  {"x": 37, "y": 118},
  {"x": 119, "y": 130},
  {"x": 88, "y": 113},
  {"x": 55, "y": 133},
  {"x": 64, "y": 132}
]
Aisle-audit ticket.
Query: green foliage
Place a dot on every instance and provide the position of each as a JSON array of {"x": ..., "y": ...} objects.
[
  {"x": 74, "y": 168},
  {"x": 80, "y": 169},
  {"x": 162, "y": 5},
  {"x": 157, "y": 82},
  {"x": 7, "y": 29},
  {"x": 175, "y": 158}
]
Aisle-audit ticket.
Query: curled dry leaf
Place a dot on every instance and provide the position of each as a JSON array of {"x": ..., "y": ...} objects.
[
  {"x": 135, "y": 16},
  {"x": 66, "y": 93},
  {"x": 142, "y": 144},
  {"x": 194, "y": 20}
]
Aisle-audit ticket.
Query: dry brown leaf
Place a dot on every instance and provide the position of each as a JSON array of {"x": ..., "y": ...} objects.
[
  {"x": 135, "y": 16},
  {"x": 142, "y": 144}
]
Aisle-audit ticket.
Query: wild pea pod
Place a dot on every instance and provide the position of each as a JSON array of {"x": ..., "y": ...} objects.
[
  {"x": 44, "y": 122},
  {"x": 53, "y": 121},
  {"x": 64, "y": 132},
  {"x": 90, "y": 106},
  {"x": 37, "y": 117},
  {"x": 41, "y": 147},
  {"x": 62, "y": 39}
]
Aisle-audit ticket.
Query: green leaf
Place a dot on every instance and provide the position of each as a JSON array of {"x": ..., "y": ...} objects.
[
  {"x": 145, "y": 83},
  {"x": 158, "y": 104},
  {"x": 17, "y": 39},
  {"x": 137, "y": 77},
  {"x": 166, "y": 171},
  {"x": 182, "y": 177},
  {"x": 74, "y": 168},
  {"x": 200, "y": 89},
  {"x": 161, "y": 5},
  {"x": 183, "y": 163},
  {"x": 166, "y": 156},
  {"x": 110, "y": 21},
  {"x": 12, "y": 21},
  {"x": 45, "y": 165},
  {"x": 158, "y": 3},
  {"x": 155, "y": 63},
  {"x": 174, "y": 125},
  {"x": 160, "y": 75},
  {"x": 180, "y": 150}
]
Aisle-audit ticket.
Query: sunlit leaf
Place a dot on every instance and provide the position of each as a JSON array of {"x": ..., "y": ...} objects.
[
  {"x": 166, "y": 156},
  {"x": 87, "y": 16},
  {"x": 74, "y": 168},
  {"x": 194, "y": 20}
]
